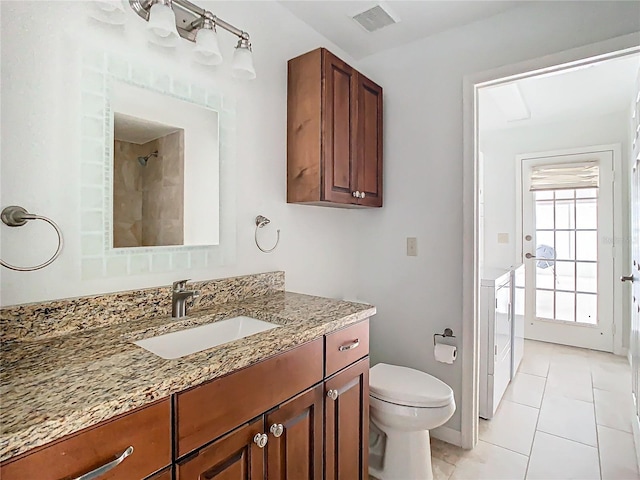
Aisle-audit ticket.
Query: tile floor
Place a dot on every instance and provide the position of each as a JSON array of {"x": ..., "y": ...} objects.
[{"x": 567, "y": 415}]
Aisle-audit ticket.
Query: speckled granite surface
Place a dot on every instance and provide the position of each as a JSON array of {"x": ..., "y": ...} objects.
[
  {"x": 51, "y": 387},
  {"x": 59, "y": 317}
]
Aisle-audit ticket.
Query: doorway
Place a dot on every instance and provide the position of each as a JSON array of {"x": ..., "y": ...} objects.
[
  {"x": 583, "y": 57},
  {"x": 567, "y": 223}
]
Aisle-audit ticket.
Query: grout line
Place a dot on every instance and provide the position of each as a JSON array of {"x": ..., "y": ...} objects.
[{"x": 535, "y": 431}]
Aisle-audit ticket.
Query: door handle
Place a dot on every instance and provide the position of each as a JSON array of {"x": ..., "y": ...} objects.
[
  {"x": 626, "y": 278},
  {"x": 529, "y": 255}
]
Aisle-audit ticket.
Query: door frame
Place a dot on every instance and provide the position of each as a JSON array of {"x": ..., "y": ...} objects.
[
  {"x": 618, "y": 224},
  {"x": 593, "y": 53}
]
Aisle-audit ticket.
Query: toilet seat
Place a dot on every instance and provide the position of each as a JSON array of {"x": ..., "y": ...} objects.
[{"x": 408, "y": 387}]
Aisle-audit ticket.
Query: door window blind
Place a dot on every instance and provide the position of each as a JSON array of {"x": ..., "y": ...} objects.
[{"x": 562, "y": 177}]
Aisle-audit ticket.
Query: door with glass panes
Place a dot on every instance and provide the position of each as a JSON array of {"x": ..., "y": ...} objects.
[{"x": 567, "y": 245}]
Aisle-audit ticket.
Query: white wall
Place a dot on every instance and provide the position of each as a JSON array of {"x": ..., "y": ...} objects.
[
  {"x": 40, "y": 153},
  {"x": 500, "y": 148},
  {"x": 419, "y": 296}
]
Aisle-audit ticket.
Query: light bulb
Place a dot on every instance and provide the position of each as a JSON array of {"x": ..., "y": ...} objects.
[
  {"x": 162, "y": 25},
  {"x": 109, "y": 11},
  {"x": 243, "y": 61},
  {"x": 207, "y": 51}
]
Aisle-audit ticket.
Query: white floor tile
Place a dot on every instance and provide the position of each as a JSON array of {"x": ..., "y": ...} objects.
[
  {"x": 614, "y": 377},
  {"x": 568, "y": 418},
  {"x": 617, "y": 454},
  {"x": 554, "y": 458},
  {"x": 535, "y": 364},
  {"x": 489, "y": 462},
  {"x": 441, "y": 469},
  {"x": 614, "y": 409},
  {"x": 570, "y": 382},
  {"x": 513, "y": 427},
  {"x": 445, "y": 451},
  {"x": 526, "y": 389}
]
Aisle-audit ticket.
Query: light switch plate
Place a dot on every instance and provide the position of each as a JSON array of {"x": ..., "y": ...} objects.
[
  {"x": 412, "y": 247},
  {"x": 503, "y": 238}
]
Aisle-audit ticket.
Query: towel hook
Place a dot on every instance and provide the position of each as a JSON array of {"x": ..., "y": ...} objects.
[
  {"x": 261, "y": 222},
  {"x": 15, "y": 216}
]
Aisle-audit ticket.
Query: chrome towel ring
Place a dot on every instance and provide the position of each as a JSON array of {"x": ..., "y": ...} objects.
[
  {"x": 15, "y": 216},
  {"x": 261, "y": 222}
]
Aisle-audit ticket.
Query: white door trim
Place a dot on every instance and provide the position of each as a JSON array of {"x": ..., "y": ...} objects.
[
  {"x": 593, "y": 53},
  {"x": 618, "y": 221}
]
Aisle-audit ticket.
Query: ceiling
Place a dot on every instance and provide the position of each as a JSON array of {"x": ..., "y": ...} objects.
[
  {"x": 597, "y": 89},
  {"x": 418, "y": 19},
  {"x": 138, "y": 130}
]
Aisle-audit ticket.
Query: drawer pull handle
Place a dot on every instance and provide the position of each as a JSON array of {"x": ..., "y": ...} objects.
[
  {"x": 349, "y": 346},
  {"x": 98, "y": 472},
  {"x": 332, "y": 394},
  {"x": 277, "y": 429},
  {"x": 260, "y": 440}
]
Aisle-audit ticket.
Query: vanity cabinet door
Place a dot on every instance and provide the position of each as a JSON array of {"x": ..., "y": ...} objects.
[
  {"x": 294, "y": 451},
  {"x": 346, "y": 423},
  {"x": 236, "y": 456}
]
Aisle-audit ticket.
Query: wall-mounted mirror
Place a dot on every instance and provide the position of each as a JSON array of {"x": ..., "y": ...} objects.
[
  {"x": 165, "y": 170},
  {"x": 158, "y": 180}
]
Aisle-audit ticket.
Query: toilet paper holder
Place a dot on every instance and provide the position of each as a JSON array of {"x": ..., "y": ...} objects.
[{"x": 447, "y": 333}]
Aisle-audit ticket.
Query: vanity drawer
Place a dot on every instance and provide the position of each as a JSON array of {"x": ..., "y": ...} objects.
[
  {"x": 208, "y": 411},
  {"x": 346, "y": 346},
  {"x": 147, "y": 430}
]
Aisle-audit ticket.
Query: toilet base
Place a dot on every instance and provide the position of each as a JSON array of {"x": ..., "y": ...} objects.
[{"x": 407, "y": 456}]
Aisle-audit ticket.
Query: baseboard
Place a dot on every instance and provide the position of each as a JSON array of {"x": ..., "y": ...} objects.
[
  {"x": 447, "y": 434},
  {"x": 636, "y": 437}
]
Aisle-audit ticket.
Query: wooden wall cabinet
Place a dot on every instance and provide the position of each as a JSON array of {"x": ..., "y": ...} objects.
[{"x": 334, "y": 133}]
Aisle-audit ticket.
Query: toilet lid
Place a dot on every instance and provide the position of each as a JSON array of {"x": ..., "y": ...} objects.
[{"x": 406, "y": 386}]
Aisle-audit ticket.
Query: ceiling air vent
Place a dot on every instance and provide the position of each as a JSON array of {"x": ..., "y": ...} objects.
[{"x": 375, "y": 18}]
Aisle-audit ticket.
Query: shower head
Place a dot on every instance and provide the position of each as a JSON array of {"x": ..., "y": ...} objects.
[{"x": 143, "y": 160}]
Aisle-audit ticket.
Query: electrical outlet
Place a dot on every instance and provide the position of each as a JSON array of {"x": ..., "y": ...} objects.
[
  {"x": 503, "y": 238},
  {"x": 412, "y": 247}
]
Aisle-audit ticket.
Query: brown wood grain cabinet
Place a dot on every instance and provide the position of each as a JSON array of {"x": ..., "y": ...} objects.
[
  {"x": 236, "y": 456},
  {"x": 294, "y": 450},
  {"x": 147, "y": 430},
  {"x": 346, "y": 423},
  {"x": 300, "y": 415},
  {"x": 334, "y": 133}
]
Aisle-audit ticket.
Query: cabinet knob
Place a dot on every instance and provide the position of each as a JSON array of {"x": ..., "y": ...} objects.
[
  {"x": 361, "y": 194},
  {"x": 356, "y": 194},
  {"x": 277, "y": 429},
  {"x": 332, "y": 394},
  {"x": 260, "y": 440}
]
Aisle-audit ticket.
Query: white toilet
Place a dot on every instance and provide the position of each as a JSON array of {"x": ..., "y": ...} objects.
[{"x": 404, "y": 405}]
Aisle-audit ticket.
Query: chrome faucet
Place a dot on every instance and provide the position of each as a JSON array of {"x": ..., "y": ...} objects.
[{"x": 181, "y": 298}]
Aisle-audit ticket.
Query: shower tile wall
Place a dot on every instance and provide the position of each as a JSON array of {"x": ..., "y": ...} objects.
[{"x": 149, "y": 200}]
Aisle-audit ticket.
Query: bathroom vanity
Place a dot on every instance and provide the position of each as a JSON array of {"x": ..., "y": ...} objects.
[{"x": 291, "y": 402}]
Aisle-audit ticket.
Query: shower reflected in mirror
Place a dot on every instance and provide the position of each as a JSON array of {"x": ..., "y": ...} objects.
[{"x": 148, "y": 183}]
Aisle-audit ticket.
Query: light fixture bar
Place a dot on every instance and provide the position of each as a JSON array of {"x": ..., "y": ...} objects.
[{"x": 188, "y": 27}]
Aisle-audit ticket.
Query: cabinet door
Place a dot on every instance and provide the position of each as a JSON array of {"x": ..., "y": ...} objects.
[
  {"x": 369, "y": 145},
  {"x": 346, "y": 424},
  {"x": 296, "y": 454},
  {"x": 339, "y": 128},
  {"x": 233, "y": 457}
]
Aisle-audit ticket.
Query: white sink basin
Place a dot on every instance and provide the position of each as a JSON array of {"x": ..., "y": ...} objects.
[{"x": 192, "y": 340}]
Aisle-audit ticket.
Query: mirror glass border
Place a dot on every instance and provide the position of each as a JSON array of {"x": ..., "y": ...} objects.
[{"x": 98, "y": 257}]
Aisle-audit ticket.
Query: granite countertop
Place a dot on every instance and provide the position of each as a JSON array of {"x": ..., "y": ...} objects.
[{"x": 56, "y": 386}]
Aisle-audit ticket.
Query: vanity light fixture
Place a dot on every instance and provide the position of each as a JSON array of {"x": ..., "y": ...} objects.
[
  {"x": 109, "y": 11},
  {"x": 243, "y": 61},
  {"x": 207, "y": 50},
  {"x": 162, "y": 24},
  {"x": 169, "y": 19}
]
